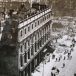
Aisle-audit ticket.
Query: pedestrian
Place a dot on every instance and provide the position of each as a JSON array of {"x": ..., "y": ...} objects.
[
  {"x": 71, "y": 49},
  {"x": 63, "y": 65},
  {"x": 56, "y": 59},
  {"x": 70, "y": 57},
  {"x": 51, "y": 74},
  {"x": 59, "y": 58},
  {"x": 69, "y": 54},
  {"x": 73, "y": 44},
  {"x": 54, "y": 75},
  {"x": 58, "y": 71},
  {"x": 64, "y": 57}
]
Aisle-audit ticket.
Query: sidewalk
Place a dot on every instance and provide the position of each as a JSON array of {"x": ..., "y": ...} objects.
[{"x": 68, "y": 70}]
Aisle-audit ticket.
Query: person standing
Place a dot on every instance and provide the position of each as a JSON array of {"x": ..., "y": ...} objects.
[
  {"x": 64, "y": 58},
  {"x": 63, "y": 65}
]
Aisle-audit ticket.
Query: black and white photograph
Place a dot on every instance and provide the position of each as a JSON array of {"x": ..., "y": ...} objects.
[{"x": 37, "y": 37}]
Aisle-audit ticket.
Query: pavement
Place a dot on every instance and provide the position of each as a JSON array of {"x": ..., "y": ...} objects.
[{"x": 45, "y": 68}]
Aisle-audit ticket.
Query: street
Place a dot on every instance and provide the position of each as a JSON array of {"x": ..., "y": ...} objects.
[{"x": 61, "y": 57}]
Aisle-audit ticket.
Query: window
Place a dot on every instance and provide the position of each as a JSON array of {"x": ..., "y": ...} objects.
[
  {"x": 35, "y": 37},
  {"x": 28, "y": 43},
  {"x": 32, "y": 52},
  {"x": 49, "y": 15},
  {"x": 21, "y": 60},
  {"x": 21, "y": 33},
  {"x": 25, "y": 31},
  {"x": 49, "y": 26},
  {"x": 35, "y": 47},
  {"x": 25, "y": 45},
  {"x": 38, "y": 34},
  {"x": 28, "y": 28},
  {"x": 29, "y": 54},
  {"x": 45, "y": 17},
  {"x": 35, "y": 24},
  {"x": 32, "y": 26},
  {"x": 25, "y": 57},
  {"x": 32, "y": 40},
  {"x": 41, "y": 20},
  {"x": 38, "y": 22},
  {"x": 21, "y": 48}
]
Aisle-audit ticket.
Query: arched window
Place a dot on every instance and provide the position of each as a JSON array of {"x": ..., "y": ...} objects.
[
  {"x": 35, "y": 24},
  {"x": 28, "y": 53},
  {"x": 29, "y": 28},
  {"x": 32, "y": 26},
  {"x": 25, "y": 57},
  {"x": 21, "y": 48},
  {"x": 21, "y": 32},
  {"x": 38, "y": 22},
  {"x": 25, "y": 31},
  {"x": 28, "y": 42},
  {"x": 21, "y": 60},
  {"x": 25, "y": 45}
]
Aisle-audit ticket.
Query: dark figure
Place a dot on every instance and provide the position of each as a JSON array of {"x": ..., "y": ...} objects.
[
  {"x": 69, "y": 55},
  {"x": 58, "y": 71},
  {"x": 73, "y": 45},
  {"x": 56, "y": 59},
  {"x": 63, "y": 65},
  {"x": 59, "y": 58},
  {"x": 64, "y": 57},
  {"x": 71, "y": 49},
  {"x": 56, "y": 40},
  {"x": 53, "y": 56},
  {"x": 54, "y": 75},
  {"x": 51, "y": 74},
  {"x": 74, "y": 74}
]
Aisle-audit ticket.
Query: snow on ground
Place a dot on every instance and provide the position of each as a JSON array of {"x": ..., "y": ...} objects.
[{"x": 70, "y": 64}]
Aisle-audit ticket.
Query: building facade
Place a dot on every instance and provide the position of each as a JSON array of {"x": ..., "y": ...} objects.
[{"x": 33, "y": 36}]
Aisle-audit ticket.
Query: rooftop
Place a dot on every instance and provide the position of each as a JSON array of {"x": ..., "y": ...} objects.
[{"x": 22, "y": 15}]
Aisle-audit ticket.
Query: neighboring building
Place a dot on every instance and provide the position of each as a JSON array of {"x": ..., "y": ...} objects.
[{"x": 33, "y": 36}]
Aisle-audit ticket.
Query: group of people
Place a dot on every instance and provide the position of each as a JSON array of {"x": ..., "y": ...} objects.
[
  {"x": 55, "y": 71},
  {"x": 68, "y": 56}
]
